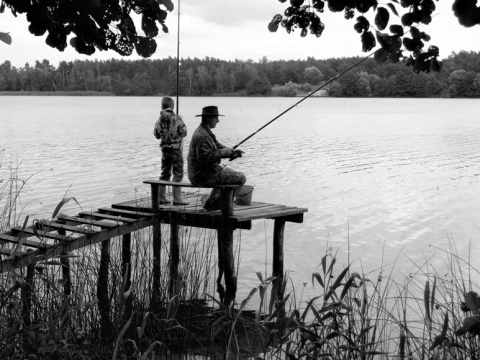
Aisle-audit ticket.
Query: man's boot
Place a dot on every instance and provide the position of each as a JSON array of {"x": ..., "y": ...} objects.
[
  {"x": 162, "y": 194},
  {"x": 177, "y": 196}
]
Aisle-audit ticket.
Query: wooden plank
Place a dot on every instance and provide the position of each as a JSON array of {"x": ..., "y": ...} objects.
[
  {"x": 291, "y": 215},
  {"x": 195, "y": 217},
  {"x": 76, "y": 220},
  {"x": 258, "y": 212},
  {"x": 99, "y": 216},
  {"x": 27, "y": 242},
  {"x": 127, "y": 213},
  {"x": 74, "y": 229},
  {"x": 185, "y": 184},
  {"x": 4, "y": 250},
  {"x": 44, "y": 234},
  {"x": 80, "y": 242}
]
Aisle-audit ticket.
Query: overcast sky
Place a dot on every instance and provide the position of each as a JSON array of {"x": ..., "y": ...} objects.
[{"x": 233, "y": 29}]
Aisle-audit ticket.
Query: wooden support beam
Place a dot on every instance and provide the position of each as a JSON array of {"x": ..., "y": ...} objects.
[
  {"x": 173, "y": 288},
  {"x": 102, "y": 290},
  {"x": 65, "y": 261},
  {"x": 226, "y": 245},
  {"x": 26, "y": 294},
  {"x": 157, "y": 247},
  {"x": 278, "y": 267},
  {"x": 127, "y": 258}
]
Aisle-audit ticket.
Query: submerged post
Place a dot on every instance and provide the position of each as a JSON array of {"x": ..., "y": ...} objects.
[
  {"x": 102, "y": 289},
  {"x": 126, "y": 258},
  {"x": 67, "y": 284},
  {"x": 157, "y": 247},
  {"x": 174, "y": 254},
  {"x": 277, "y": 266},
  {"x": 226, "y": 245}
]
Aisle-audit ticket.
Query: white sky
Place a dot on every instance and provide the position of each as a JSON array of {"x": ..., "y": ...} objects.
[{"x": 233, "y": 29}]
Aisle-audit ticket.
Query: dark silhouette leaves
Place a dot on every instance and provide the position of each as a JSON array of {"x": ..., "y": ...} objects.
[
  {"x": 467, "y": 12},
  {"x": 303, "y": 15},
  {"x": 368, "y": 41},
  {"x": 382, "y": 17},
  {"x": 145, "y": 47},
  {"x": 95, "y": 24}
]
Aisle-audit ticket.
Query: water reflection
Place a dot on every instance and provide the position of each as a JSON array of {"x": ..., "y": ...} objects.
[{"x": 374, "y": 175}]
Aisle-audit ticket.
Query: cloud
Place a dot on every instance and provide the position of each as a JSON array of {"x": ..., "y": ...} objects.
[{"x": 231, "y": 13}]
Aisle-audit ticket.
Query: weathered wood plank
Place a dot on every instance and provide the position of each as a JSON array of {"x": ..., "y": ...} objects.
[
  {"x": 27, "y": 242},
  {"x": 126, "y": 213},
  {"x": 57, "y": 226},
  {"x": 291, "y": 214},
  {"x": 185, "y": 184},
  {"x": 78, "y": 220},
  {"x": 43, "y": 234},
  {"x": 82, "y": 241},
  {"x": 99, "y": 216}
]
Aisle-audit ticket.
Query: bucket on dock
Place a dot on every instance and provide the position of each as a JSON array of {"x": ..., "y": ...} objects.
[{"x": 244, "y": 195}]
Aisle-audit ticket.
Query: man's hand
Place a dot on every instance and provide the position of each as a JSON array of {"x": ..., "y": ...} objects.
[
  {"x": 236, "y": 154},
  {"x": 226, "y": 153}
]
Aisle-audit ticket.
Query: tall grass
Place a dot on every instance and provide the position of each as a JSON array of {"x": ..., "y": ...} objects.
[{"x": 434, "y": 313}]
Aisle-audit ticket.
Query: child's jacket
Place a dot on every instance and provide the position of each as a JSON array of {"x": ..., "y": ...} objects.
[{"x": 170, "y": 129}]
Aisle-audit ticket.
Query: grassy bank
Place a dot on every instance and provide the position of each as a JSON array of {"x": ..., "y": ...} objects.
[{"x": 356, "y": 313}]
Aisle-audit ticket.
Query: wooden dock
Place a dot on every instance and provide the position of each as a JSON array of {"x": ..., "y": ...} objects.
[{"x": 24, "y": 246}]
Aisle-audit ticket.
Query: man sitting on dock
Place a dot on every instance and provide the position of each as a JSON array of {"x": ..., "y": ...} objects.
[{"x": 204, "y": 156}]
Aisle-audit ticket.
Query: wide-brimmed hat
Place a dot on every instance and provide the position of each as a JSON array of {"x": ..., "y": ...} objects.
[{"x": 210, "y": 110}]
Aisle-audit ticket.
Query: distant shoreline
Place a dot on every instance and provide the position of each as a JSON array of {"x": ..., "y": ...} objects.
[{"x": 56, "y": 93}]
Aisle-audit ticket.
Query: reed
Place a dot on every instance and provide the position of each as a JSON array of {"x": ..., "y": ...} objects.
[{"x": 434, "y": 313}]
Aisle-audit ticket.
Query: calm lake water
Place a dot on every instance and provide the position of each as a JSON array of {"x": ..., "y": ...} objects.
[{"x": 385, "y": 178}]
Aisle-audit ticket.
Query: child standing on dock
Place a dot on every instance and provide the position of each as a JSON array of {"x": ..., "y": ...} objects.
[{"x": 171, "y": 130}]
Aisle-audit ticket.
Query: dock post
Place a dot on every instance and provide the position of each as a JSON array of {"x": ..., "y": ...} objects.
[
  {"x": 126, "y": 258},
  {"x": 65, "y": 261},
  {"x": 157, "y": 247},
  {"x": 26, "y": 294},
  {"x": 277, "y": 268},
  {"x": 225, "y": 240},
  {"x": 174, "y": 254},
  {"x": 102, "y": 290},
  {"x": 127, "y": 269}
]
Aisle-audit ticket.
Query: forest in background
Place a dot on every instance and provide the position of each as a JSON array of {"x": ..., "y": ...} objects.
[{"x": 459, "y": 77}]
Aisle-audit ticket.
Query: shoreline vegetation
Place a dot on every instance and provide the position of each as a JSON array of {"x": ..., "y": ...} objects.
[
  {"x": 459, "y": 77},
  {"x": 55, "y": 93},
  {"x": 368, "y": 315}
]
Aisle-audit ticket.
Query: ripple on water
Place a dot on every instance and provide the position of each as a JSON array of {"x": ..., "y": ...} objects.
[{"x": 378, "y": 180}]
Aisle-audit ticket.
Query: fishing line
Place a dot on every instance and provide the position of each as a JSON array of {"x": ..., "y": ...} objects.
[
  {"x": 178, "y": 57},
  {"x": 306, "y": 97},
  {"x": 314, "y": 91}
]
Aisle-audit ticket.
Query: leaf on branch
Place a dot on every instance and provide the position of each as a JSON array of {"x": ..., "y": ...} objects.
[
  {"x": 6, "y": 38},
  {"x": 381, "y": 18},
  {"x": 381, "y": 55},
  {"x": 167, "y": 3},
  {"x": 145, "y": 47},
  {"x": 407, "y": 19},
  {"x": 396, "y": 30},
  {"x": 368, "y": 41},
  {"x": 392, "y": 7},
  {"x": 472, "y": 301},
  {"x": 149, "y": 26}
]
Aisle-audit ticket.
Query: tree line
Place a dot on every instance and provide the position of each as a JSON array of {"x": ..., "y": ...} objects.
[{"x": 459, "y": 77}]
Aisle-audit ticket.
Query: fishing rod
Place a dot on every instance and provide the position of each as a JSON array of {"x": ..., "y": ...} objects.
[
  {"x": 304, "y": 98},
  {"x": 178, "y": 56}
]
